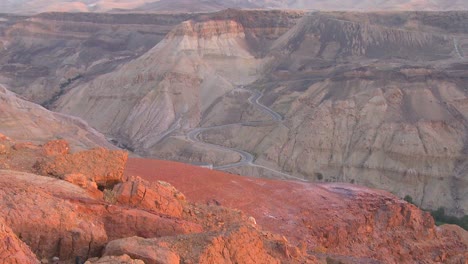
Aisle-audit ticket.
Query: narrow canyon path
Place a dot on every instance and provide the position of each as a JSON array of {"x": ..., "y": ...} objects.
[{"x": 246, "y": 158}]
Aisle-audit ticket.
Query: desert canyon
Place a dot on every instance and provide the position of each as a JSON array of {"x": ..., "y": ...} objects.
[{"x": 233, "y": 131}]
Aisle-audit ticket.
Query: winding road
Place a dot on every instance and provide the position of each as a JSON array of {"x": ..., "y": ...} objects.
[
  {"x": 247, "y": 159},
  {"x": 457, "y": 49}
]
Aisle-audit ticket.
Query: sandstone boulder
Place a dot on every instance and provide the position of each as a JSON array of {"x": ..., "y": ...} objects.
[
  {"x": 3, "y": 137},
  {"x": 124, "y": 259},
  {"x": 84, "y": 182},
  {"x": 123, "y": 222},
  {"x": 56, "y": 147},
  {"x": 234, "y": 244},
  {"x": 4, "y": 149},
  {"x": 36, "y": 209},
  {"x": 157, "y": 196},
  {"x": 240, "y": 245},
  {"x": 57, "y": 218},
  {"x": 105, "y": 167},
  {"x": 137, "y": 247}
]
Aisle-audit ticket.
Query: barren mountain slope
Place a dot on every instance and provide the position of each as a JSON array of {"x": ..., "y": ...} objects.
[
  {"x": 173, "y": 84},
  {"x": 27, "y": 121},
  {"x": 397, "y": 123},
  {"x": 372, "y": 98},
  {"x": 43, "y": 56}
]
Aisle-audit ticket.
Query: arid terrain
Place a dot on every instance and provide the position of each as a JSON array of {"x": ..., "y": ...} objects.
[
  {"x": 58, "y": 206},
  {"x": 331, "y": 117},
  {"x": 376, "y": 99}
]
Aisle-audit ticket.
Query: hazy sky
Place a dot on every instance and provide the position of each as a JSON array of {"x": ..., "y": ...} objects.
[{"x": 35, "y": 6}]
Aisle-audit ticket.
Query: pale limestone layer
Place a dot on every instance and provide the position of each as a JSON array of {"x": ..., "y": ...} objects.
[{"x": 167, "y": 88}]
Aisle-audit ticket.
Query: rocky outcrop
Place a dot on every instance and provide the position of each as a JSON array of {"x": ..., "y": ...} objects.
[
  {"x": 242, "y": 244},
  {"x": 137, "y": 247},
  {"x": 72, "y": 219},
  {"x": 160, "y": 197},
  {"x": 100, "y": 165},
  {"x": 344, "y": 222},
  {"x": 12, "y": 249},
  {"x": 56, "y": 148},
  {"x": 56, "y": 218},
  {"x": 124, "y": 259}
]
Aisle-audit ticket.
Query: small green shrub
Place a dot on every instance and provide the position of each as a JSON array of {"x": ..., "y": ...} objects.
[
  {"x": 319, "y": 176},
  {"x": 409, "y": 199},
  {"x": 441, "y": 218}
]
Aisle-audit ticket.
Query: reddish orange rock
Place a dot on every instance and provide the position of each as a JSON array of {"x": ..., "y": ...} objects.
[
  {"x": 157, "y": 196},
  {"x": 3, "y": 137},
  {"x": 84, "y": 182},
  {"x": 25, "y": 146},
  {"x": 357, "y": 223},
  {"x": 139, "y": 248},
  {"x": 235, "y": 244},
  {"x": 105, "y": 167},
  {"x": 5, "y": 144},
  {"x": 238, "y": 245},
  {"x": 56, "y": 147},
  {"x": 124, "y": 259},
  {"x": 12, "y": 249},
  {"x": 57, "y": 218},
  {"x": 124, "y": 222},
  {"x": 4, "y": 149}
]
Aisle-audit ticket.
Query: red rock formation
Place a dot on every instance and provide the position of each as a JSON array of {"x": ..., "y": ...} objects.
[
  {"x": 84, "y": 182},
  {"x": 138, "y": 247},
  {"x": 233, "y": 244},
  {"x": 71, "y": 217},
  {"x": 101, "y": 165},
  {"x": 12, "y": 249},
  {"x": 57, "y": 218},
  {"x": 124, "y": 259},
  {"x": 152, "y": 221},
  {"x": 156, "y": 197},
  {"x": 338, "y": 219},
  {"x": 56, "y": 147}
]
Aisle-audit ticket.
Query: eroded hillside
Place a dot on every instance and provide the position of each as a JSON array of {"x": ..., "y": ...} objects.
[
  {"x": 377, "y": 99},
  {"x": 76, "y": 207}
]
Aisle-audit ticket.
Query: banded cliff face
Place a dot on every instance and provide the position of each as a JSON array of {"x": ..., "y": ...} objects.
[
  {"x": 409, "y": 139},
  {"x": 170, "y": 86},
  {"x": 43, "y": 56},
  {"x": 376, "y": 99},
  {"x": 397, "y": 123}
]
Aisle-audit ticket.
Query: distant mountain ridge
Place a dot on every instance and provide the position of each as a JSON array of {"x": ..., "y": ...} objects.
[{"x": 174, "y": 6}]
